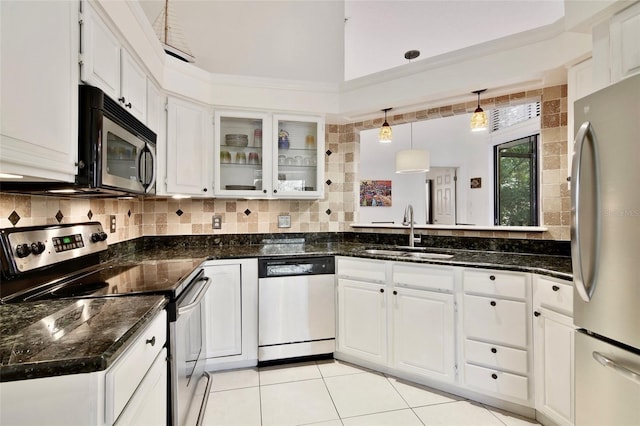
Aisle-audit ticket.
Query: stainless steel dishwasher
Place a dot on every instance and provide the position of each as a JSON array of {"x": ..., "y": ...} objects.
[{"x": 296, "y": 308}]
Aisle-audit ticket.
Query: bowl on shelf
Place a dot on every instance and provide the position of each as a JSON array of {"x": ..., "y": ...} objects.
[{"x": 235, "y": 139}]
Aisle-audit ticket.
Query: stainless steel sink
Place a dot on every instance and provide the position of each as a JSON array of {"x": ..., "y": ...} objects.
[{"x": 414, "y": 254}]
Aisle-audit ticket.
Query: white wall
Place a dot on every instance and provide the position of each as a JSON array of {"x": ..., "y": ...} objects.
[{"x": 450, "y": 144}]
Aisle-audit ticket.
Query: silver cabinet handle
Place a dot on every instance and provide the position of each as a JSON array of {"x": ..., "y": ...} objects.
[
  {"x": 585, "y": 289},
  {"x": 191, "y": 306},
  {"x": 634, "y": 376}
]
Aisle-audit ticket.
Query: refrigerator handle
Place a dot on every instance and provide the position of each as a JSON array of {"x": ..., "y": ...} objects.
[
  {"x": 627, "y": 373},
  {"x": 584, "y": 289}
]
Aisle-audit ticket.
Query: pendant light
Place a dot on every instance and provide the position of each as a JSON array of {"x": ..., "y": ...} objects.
[
  {"x": 479, "y": 119},
  {"x": 412, "y": 160},
  {"x": 385, "y": 130}
]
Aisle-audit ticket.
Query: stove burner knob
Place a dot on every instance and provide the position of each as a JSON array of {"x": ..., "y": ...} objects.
[
  {"x": 98, "y": 236},
  {"x": 37, "y": 247},
  {"x": 23, "y": 250}
]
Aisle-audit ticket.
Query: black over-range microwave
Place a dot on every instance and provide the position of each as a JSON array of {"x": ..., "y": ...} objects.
[{"x": 116, "y": 153}]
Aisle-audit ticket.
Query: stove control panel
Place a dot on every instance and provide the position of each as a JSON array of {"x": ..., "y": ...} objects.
[{"x": 34, "y": 247}]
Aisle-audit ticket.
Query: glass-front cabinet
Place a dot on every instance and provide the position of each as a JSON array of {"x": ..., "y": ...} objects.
[
  {"x": 298, "y": 152},
  {"x": 260, "y": 155},
  {"x": 241, "y": 157}
]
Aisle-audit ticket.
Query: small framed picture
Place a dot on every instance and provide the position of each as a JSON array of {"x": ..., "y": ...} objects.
[
  {"x": 476, "y": 183},
  {"x": 375, "y": 193}
]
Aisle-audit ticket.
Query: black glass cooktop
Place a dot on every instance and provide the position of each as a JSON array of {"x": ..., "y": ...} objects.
[{"x": 149, "y": 277}]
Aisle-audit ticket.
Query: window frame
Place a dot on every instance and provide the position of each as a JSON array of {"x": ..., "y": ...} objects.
[{"x": 534, "y": 193}]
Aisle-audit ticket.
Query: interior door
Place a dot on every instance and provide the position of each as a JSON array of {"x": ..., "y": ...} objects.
[{"x": 444, "y": 195}]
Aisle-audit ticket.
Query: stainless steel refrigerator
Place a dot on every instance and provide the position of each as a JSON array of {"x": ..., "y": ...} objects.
[{"x": 605, "y": 249}]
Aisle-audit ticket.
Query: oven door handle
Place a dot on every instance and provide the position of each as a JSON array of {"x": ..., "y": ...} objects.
[{"x": 193, "y": 305}]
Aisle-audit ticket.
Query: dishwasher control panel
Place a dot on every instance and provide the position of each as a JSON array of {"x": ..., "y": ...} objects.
[{"x": 297, "y": 266}]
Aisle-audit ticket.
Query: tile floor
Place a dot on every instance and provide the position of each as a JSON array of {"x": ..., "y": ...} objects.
[{"x": 333, "y": 393}]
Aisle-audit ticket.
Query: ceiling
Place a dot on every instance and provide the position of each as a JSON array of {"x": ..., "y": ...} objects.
[{"x": 335, "y": 40}]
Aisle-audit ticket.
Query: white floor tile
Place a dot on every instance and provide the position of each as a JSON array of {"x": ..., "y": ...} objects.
[
  {"x": 389, "y": 418},
  {"x": 332, "y": 367},
  {"x": 296, "y": 403},
  {"x": 289, "y": 373},
  {"x": 417, "y": 396},
  {"x": 234, "y": 379},
  {"x": 329, "y": 423},
  {"x": 459, "y": 413},
  {"x": 511, "y": 419},
  {"x": 238, "y": 407},
  {"x": 365, "y": 393}
]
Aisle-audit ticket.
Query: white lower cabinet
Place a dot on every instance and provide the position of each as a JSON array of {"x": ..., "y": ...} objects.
[
  {"x": 498, "y": 358},
  {"x": 553, "y": 334},
  {"x": 231, "y": 312},
  {"x": 423, "y": 333},
  {"x": 401, "y": 316},
  {"x": 133, "y": 391},
  {"x": 362, "y": 325}
]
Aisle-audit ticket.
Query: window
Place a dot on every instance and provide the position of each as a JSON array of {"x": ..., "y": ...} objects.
[{"x": 516, "y": 177}]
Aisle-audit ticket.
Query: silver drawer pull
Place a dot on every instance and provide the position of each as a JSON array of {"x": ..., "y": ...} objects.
[
  {"x": 634, "y": 376},
  {"x": 151, "y": 341}
]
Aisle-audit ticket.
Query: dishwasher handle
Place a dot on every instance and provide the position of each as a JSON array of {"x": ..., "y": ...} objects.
[{"x": 285, "y": 267}]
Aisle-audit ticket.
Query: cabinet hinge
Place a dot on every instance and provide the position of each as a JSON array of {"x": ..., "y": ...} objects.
[
  {"x": 455, "y": 306},
  {"x": 166, "y": 106}
]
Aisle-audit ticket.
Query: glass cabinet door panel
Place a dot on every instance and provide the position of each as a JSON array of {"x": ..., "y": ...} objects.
[
  {"x": 298, "y": 144},
  {"x": 240, "y": 153}
]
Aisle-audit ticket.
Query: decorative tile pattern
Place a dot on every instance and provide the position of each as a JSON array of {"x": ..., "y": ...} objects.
[
  {"x": 247, "y": 212},
  {"x": 14, "y": 218},
  {"x": 179, "y": 212},
  {"x": 129, "y": 213},
  {"x": 59, "y": 216},
  {"x": 328, "y": 152},
  {"x": 328, "y": 212},
  {"x": 89, "y": 214},
  {"x": 329, "y": 182}
]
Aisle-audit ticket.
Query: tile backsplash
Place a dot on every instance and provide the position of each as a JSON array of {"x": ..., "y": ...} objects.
[{"x": 167, "y": 216}]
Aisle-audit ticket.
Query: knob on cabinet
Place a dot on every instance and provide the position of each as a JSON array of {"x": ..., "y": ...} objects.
[
  {"x": 492, "y": 303},
  {"x": 555, "y": 288},
  {"x": 494, "y": 350}
]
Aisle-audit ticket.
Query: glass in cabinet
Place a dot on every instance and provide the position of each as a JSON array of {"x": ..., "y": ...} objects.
[
  {"x": 240, "y": 148},
  {"x": 298, "y": 153}
]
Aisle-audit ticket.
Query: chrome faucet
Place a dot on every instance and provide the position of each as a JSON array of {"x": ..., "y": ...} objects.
[{"x": 412, "y": 238}]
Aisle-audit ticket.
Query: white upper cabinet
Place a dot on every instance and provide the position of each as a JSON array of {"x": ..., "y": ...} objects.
[
  {"x": 104, "y": 63},
  {"x": 625, "y": 43},
  {"x": 268, "y": 156},
  {"x": 189, "y": 141},
  {"x": 39, "y": 90}
]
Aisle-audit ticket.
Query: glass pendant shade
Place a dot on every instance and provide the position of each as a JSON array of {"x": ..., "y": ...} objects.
[
  {"x": 412, "y": 161},
  {"x": 385, "y": 133},
  {"x": 479, "y": 120}
]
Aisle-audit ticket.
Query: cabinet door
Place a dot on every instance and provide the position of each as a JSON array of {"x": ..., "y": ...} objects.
[
  {"x": 100, "y": 54},
  {"x": 423, "y": 333},
  {"x": 146, "y": 406},
  {"x": 362, "y": 320},
  {"x": 224, "y": 311},
  {"x": 298, "y": 152},
  {"x": 189, "y": 138},
  {"x": 242, "y": 154},
  {"x": 39, "y": 90},
  {"x": 554, "y": 349},
  {"x": 133, "y": 86},
  {"x": 625, "y": 44}
]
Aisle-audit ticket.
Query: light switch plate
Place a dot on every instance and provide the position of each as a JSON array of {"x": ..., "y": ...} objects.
[
  {"x": 112, "y": 224},
  {"x": 284, "y": 221}
]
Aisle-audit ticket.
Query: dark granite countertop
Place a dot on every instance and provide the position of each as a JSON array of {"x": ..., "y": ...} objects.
[
  {"x": 59, "y": 337},
  {"x": 550, "y": 265}
]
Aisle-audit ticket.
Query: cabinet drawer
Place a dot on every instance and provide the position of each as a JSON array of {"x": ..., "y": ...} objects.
[
  {"x": 495, "y": 320},
  {"x": 496, "y": 381},
  {"x": 126, "y": 374},
  {"x": 496, "y": 283},
  {"x": 427, "y": 277},
  {"x": 496, "y": 356},
  {"x": 363, "y": 270},
  {"x": 555, "y": 295}
]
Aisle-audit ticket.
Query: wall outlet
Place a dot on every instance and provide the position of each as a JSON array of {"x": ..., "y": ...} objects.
[
  {"x": 112, "y": 224},
  {"x": 217, "y": 222},
  {"x": 284, "y": 221}
]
